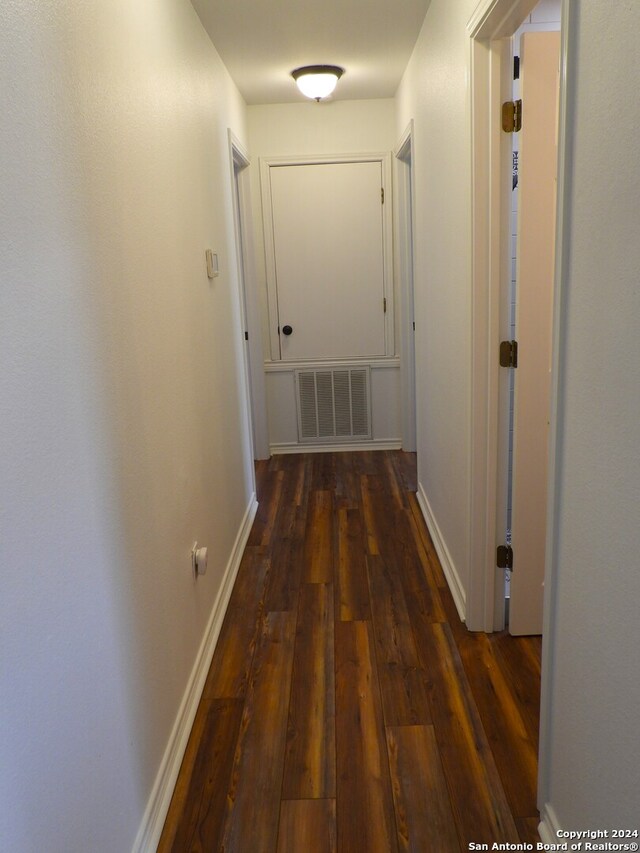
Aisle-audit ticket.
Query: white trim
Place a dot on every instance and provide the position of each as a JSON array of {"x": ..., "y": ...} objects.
[
  {"x": 563, "y": 215},
  {"x": 493, "y": 19},
  {"x": 485, "y": 328},
  {"x": 266, "y": 164},
  {"x": 549, "y": 826},
  {"x": 446, "y": 560},
  {"x": 330, "y": 363},
  {"x": 270, "y": 259},
  {"x": 404, "y": 204},
  {"x": 239, "y": 153},
  {"x": 404, "y": 146},
  {"x": 318, "y": 159},
  {"x": 247, "y": 294},
  {"x": 374, "y": 444},
  {"x": 158, "y": 804}
]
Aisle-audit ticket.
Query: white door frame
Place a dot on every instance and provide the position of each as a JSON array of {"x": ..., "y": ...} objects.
[
  {"x": 493, "y": 20},
  {"x": 247, "y": 292},
  {"x": 404, "y": 257}
]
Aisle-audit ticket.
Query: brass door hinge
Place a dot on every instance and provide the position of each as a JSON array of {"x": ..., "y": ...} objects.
[
  {"x": 508, "y": 353},
  {"x": 504, "y": 557},
  {"x": 512, "y": 116},
  {"x": 382, "y": 195},
  {"x": 384, "y": 304}
]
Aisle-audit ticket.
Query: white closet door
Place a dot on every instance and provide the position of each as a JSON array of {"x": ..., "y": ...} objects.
[{"x": 329, "y": 259}]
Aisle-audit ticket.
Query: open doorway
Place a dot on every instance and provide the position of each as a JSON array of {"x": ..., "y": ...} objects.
[
  {"x": 491, "y": 29},
  {"x": 497, "y": 317}
]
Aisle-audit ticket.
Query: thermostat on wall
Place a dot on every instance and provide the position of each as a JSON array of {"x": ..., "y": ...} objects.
[{"x": 212, "y": 264}]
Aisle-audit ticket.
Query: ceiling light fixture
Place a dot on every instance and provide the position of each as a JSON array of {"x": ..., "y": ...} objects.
[{"x": 317, "y": 81}]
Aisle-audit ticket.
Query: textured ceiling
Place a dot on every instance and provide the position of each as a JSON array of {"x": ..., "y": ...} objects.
[{"x": 261, "y": 42}]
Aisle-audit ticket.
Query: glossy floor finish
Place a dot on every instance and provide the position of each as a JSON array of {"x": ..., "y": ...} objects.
[{"x": 347, "y": 708}]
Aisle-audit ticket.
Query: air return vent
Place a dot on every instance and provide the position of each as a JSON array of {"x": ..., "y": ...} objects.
[{"x": 333, "y": 405}]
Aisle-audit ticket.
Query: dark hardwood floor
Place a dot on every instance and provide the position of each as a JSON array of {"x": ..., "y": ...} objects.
[{"x": 347, "y": 708}]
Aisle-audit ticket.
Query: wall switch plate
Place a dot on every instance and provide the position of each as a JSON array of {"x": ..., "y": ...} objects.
[
  {"x": 212, "y": 264},
  {"x": 199, "y": 559}
]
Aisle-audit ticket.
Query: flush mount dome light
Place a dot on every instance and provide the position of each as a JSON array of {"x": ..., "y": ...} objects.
[{"x": 317, "y": 81}]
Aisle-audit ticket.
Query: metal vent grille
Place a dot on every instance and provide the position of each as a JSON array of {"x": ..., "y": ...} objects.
[{"x": 333, "y": 405}]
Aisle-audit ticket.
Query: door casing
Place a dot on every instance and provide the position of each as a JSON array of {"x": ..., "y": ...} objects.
[
  {"x": 248, "y": 299},
  {"x": 494, "y": 20},
  {"x": 404, "y": 198}
]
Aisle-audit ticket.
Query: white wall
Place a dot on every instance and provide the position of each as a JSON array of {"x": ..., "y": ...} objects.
[
  {"x": 435, "y": 93},
  {"x": 122, "y": 402},
  {"x": 591, "y": 761}
]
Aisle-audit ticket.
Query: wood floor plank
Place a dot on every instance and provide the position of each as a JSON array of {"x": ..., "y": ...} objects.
[
  {"x": 365, "y": 463},
  {"x": 480, "y": 806},
  {"x": 229, "y": 671},
  {"x": 323, "y": 478},
  {"x": 301, "y": 477},
  {"x": 310, "y": 762},
  {"x": 364, "y": 800},
  {"x": 196, "y": 814},
  {"x": 393, "y": 633},
  {"x": 347, "y": 491},
  {"x": 287, "y": 561},
  {"x": 261, "y": 469},
  {"x": 423, "y": 809},
  {"x": 368, "y": 490},
  {"x": 307, "y": 826},
  {"x": 404, "y": 696},
  {"x": 528, "y": 829},
  {"x": 380, "y": 516},
  {"x": 406, "y": 465},
  {"x": 425, "y": 546},
  {"x": 402, "y": 679},
  {"x": 287, "y": 542},
  {"x": 401, "y": 544},
  {"x": 418, "y": 586},
  {"x": 514, "y": 753},
  {"x": 319, "y": 539},
  {"x": 395, "y": 483},
  {"x": 520, "y": 662},
  {"x": 352, "y": 587},
  {"x": 283, "y": 584},
  {"x": 267, "y": 507},
  {"x": 254, "y": 794}
]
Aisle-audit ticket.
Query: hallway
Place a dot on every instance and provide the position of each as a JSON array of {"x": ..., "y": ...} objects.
[{"x": 347, "y": 707}]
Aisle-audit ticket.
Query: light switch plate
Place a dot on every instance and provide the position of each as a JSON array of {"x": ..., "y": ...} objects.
[{"x": 212, "y": 264}]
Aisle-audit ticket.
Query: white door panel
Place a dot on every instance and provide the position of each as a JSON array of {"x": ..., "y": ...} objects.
[
  {"x": 329, "y": 259},
  {"x": 539, "y": 54}
]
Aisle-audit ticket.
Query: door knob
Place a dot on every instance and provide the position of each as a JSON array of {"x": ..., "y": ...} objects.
[{"x": 286, "y": 330}]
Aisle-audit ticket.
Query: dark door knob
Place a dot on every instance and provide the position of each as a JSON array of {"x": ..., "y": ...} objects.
[{"x": 286, "y": 330}]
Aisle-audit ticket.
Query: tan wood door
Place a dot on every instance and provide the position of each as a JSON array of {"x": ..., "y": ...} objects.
[{"x": 539, "y": 78}]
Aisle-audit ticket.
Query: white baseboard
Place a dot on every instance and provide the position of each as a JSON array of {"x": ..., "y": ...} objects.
[
  {"x": 374, "y": 444},
  {"x": 160, "y": 799},
  {"x": 549, "y": 827},
  {"x": 448, "y": 566}
]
